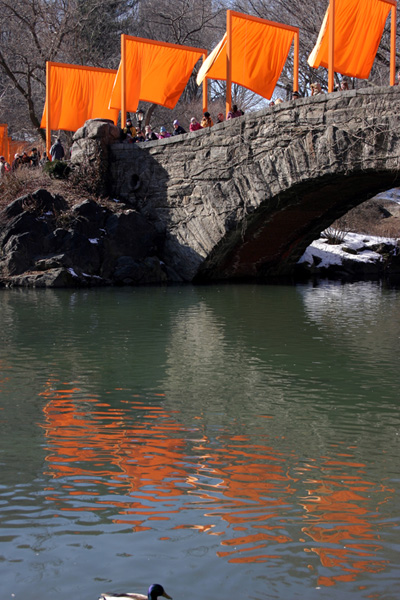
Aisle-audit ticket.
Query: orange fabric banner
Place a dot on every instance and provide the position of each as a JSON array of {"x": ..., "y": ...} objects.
[
  {"x": 157, "y": 72},
  {"x": 259, "y": 52},
  {"x": 359, "y": 26},
  {"x": 78, "y": 93},
  {"x": 4, "y": 151},
  {"x": 17, "y": 147}
]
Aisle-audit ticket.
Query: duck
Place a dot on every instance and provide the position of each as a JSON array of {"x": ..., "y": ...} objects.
[{"x": 155, "y": 590}]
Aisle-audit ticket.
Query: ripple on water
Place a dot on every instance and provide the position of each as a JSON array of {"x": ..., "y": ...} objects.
[{"x": 247, "y": 433}]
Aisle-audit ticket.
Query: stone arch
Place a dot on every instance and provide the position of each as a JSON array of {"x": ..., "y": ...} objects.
[
  {"x": 276, "y": 235},
  {"x": 245, "y": 197}
]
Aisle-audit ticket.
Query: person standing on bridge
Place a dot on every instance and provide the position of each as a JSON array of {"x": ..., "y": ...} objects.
[
  {"x": 235, "y": 112},
  {"x": 178, "y": 129},
  {"x": 206, "y": 121},
  {"x": 316, "y": 89},
  {"x": 194, "y": 124},
  {"x": 150, "y": 135},
  {"x": 163, "y": 133},
  {"x": 129, "y": 131},
  {"x": 141, "y": 137}
]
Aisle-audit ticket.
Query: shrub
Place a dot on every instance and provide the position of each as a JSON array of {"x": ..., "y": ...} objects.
[
  {"x": 88, "y": 177},
  {"x": 333, "y": 236},
  {"x": 57, "y": 169}
]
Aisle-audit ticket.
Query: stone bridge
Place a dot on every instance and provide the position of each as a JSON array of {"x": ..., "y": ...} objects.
[{"x": 245, "y": 198}]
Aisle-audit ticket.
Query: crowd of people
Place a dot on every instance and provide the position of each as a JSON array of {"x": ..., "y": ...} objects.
[
  {"x": 316, "y": 90},
  {"x": 131, "y": 134},
  {"x": 22, "y": 159},
  {"x": 35, "y": 158}
]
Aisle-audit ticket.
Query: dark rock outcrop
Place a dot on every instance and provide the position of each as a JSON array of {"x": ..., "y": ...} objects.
[{"x": 44, "y": 245}]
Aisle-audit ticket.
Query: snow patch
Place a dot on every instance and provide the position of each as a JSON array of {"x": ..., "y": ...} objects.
[{"x": 329, "y": 254}]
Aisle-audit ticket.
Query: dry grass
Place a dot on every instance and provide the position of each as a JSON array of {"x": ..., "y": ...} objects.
[
  {"x": 374, "y": 217},
  {"x": 26, "y": 180},
  {"x": 21, "y": 182},
  {"x": 81, "y": 185}
]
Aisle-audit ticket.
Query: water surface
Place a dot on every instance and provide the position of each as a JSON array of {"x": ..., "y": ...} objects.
[{"x": 234, "y": 441}]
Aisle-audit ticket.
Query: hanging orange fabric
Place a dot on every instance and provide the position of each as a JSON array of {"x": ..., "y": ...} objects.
[
  {"x": 214, "y": 67},
  {"x": 359, "y": 26},
  {"x": 4, "y": 141},
  {"x": 157, "y": 72},
  {"x": 259, "y": 52},
  {"x": 16, "y": 147},
  {"x": 78, "y": 93}
]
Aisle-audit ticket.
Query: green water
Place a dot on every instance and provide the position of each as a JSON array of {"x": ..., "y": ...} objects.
[{"x": 234, "y": 441}]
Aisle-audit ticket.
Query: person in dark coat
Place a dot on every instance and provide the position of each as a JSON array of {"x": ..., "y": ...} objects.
[
  {"x": 16, "y": 163},
  {"x": 57, "y": 150},
  {"x": 178, "y": 129},
  {"x": 235, "y": 112},
  {"x": 150, "y": 135}
]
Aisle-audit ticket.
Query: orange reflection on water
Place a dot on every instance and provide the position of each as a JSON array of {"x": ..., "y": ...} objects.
[
  {"x": 340, "y": 514},
  {"x": 154, "y": 469},
  {"x": 254, "y": 488},
  {"x": 118, "y": 455}
]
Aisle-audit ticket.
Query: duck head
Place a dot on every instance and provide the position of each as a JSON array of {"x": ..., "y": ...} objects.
[{"x": 156, "y": 590}]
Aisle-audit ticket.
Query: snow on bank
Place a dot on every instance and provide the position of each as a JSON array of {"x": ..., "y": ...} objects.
[
  {"x": 393, "y": 195},
  {"x": 355, "y": 247}
]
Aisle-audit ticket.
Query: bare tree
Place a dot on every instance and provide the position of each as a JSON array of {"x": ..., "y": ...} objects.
[{"x": 35, "y": 31}]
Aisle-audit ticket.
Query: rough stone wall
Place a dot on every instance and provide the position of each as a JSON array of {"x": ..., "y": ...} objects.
[{"x": 247, "y": 196}]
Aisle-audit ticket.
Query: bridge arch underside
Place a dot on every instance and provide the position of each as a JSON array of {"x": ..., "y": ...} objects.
[{"x": 268, "y": 243}]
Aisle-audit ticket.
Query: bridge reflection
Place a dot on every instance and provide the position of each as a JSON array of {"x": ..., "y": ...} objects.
[{"x": 137, "y": 463}]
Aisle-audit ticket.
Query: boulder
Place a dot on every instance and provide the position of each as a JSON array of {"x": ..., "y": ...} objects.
[
  {"x": 90, "y": 148},
  {"x": 40, "y": 202},
  {"x": 95, "y": 246},
  {"x": 83, "y": 254},
  {"x": 128, "y": 234},
  {"x": 129, "y": 271},
  {"x": 55, "y": 278},
  {"x": 21, "y": 241},
  {"x": 89, "y": 217}
]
